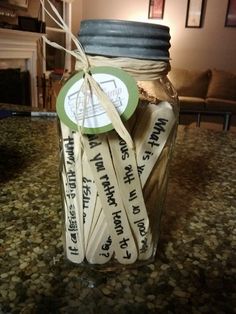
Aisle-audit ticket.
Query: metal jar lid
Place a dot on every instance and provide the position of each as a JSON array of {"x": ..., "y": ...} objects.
[{"x": 117, "y": 38}]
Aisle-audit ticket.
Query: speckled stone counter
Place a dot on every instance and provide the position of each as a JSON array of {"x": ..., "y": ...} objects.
[{"x": 195, "y": 268}]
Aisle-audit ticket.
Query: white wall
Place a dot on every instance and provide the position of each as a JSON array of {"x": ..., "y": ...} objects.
[
  {"x": 212, "y": 46},
  {"x": 77, "y": 7}
]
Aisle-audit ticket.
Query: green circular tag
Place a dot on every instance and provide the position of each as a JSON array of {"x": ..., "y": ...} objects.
[{"x": 79, "y": 107}]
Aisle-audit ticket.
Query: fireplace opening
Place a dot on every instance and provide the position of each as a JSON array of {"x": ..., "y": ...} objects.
[{"x": 15, "y": 87}]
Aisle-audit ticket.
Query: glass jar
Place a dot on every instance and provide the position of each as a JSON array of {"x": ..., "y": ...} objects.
[{"x": 113, "y": 219}]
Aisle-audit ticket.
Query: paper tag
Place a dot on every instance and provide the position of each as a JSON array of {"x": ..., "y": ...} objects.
[{"x": 77, "y": 104}]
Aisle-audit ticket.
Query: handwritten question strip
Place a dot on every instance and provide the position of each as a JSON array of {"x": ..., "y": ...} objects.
[
  {"x": 97, "y": 151},
  {"x": 72, "y": 193},
  {"x": 104, "y": 183}
]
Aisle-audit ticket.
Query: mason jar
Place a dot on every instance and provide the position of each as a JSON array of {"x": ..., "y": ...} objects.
[{"x": 114, "y": 180}]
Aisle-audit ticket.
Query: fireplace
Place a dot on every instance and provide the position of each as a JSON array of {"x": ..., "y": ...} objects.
[
  {"x": 21, "y": 46},
  {"x": 15, "y": 87}
]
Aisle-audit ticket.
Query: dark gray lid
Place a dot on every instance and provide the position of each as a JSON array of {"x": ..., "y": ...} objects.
[{"x": 117, "y": 38}]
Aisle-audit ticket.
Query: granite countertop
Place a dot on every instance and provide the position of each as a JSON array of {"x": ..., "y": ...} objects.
[{"x": 195, "y": 267}]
